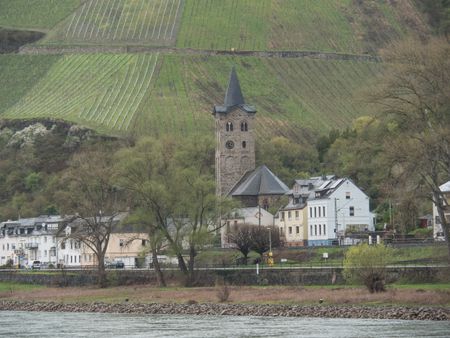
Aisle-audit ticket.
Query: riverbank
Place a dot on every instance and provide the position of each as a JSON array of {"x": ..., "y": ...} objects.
[{"x": 322, "y": 311}]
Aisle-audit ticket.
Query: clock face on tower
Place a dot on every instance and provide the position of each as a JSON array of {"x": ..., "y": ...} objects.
[{"x": 229, "y": 144}]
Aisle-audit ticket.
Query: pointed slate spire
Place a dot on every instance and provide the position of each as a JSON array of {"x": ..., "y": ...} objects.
[{"x": 233, "y": 96}]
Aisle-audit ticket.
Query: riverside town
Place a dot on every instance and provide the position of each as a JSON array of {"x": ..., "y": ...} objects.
[{"x": 241, "y": 162}]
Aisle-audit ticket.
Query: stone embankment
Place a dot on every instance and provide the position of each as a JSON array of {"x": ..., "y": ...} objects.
[{"x": 323, "y": 311}]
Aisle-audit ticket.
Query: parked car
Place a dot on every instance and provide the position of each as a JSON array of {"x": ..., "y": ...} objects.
[
  {"x": 36, "y": 265},
  {"x": 115, "y": 265}
]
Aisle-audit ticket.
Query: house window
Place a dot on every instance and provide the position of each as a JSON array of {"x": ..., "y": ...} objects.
[
  {"x": 315, "y": 212},
  {"x": 79, "y": 259},
  {"x": 310, "y": 230},
  {"x": 297, "y": 229},
  {"x": 324, "y": 229},
  {"x": 320, "y": 213},
  {"x": 290, "y": 230},
  {"x": 352, "y": 211},
  {"x": 71, "y": 259},
  {"x": 282, "y": 215},
  {"x": 347, "y": 195},
  {"x": 310, "y": 212},
  {"x": 244, "y": 144},
  {"x": 296, "y": 214},
  {"x": 320, "y": 229},
  {"x": 121, "y": 242},
  {"x": 289, "y": 215},
  {"x": 71, "y": 245},
  {"x": 244, "y": 126},
  {"x": 63, "y": 245},
  {"x": 229, "y": 126},
  {"x": 323, "y": 212},
  {"x": 143, "y": 242}
]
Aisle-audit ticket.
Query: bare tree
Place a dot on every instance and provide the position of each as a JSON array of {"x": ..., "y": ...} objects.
[
  {"x": 263, "y": 238},
  {"x": 241, "y": 237},
  {"x": 91, "y": 195},
  {"x": 414, "y": 99}
]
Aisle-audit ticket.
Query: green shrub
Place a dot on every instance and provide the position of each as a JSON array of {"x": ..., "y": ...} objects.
[{"x": 366, "y": 264}]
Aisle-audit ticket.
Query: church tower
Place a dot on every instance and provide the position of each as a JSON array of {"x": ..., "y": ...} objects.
[{"x": 235, "y": 142}]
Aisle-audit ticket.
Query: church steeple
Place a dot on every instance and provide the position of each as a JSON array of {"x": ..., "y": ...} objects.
[
  {"x": 233, "y": 96},
  {"x": 235, "y": 143}
]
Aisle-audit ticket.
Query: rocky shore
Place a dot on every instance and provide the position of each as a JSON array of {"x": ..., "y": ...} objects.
[{"x": 323, "y": 311}]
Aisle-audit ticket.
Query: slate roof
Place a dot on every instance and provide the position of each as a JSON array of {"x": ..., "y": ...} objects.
[
  {"x": 445, "y": 187},
  {"x": 260, "y": 181},
  {"x": 233, "y": 97}
]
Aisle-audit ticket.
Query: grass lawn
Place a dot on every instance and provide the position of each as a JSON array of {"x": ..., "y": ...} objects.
[
  {"x": 10, "y": 287},
  {"x": 420, "y": 294}
]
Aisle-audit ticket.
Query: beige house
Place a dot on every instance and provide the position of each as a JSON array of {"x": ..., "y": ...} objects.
[
  {"x": 293, "y": 225},
  {"x": 125, "y": 245}
]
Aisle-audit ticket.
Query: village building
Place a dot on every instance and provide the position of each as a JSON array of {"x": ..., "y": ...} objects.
[
  {"x": 29, "y": 239},
  {"x": 253, "y": 216},
  {"x": 47, "y": 239},
  {"x": 236, "y": 175},
  {"x": 438, "y": 232},
  {"x": 337, "y": 209},
  {"x": 324, "y": 210}
]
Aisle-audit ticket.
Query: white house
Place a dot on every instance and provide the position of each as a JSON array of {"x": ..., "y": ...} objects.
[
  {"x": 248, "y": 216},
  {"x": 438, "y": 233},
  {"x": 336, "y": 208},
  {"x": 29, "y": 239}
]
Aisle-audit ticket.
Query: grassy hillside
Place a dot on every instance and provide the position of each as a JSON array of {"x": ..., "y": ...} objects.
[
  {"x": 339, "y": 25},
  {"x": 100, "y": 91},
  {"x": 19, "y": 74},
  {"x": 290, "y": 94},
  {"x": 348, "y": 26},
  {"x": 37, "y": 14},
  {"x": 151, "y": 94},
  {"x": 121, "y": 21}
]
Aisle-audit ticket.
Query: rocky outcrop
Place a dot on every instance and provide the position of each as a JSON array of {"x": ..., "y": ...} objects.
[{"x": 322, "y": 311}]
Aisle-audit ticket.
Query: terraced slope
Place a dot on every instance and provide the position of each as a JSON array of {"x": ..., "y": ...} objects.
[
  {"x": 121, "y": 21},
  {"x": 348, "y": 26},
  {"x": 100, "y": 91},
  {"x": 290, "y": 94},
  {"x": 151, "y": 94},
  {"x": 19, "y": 73},
  {"x": 35, "y": 14}
]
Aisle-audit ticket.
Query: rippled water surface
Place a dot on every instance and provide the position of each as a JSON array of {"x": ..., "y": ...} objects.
[{"x": 63, "y": 324}]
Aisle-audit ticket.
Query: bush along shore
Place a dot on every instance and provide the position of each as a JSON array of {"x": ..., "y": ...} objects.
[{"x": 323, "y": 311}]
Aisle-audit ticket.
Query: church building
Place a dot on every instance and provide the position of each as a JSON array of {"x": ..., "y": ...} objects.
[{"x": 236, "y": 175}]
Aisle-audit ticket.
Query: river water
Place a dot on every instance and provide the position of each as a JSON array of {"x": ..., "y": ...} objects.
[{"x": 64, "y": 324}]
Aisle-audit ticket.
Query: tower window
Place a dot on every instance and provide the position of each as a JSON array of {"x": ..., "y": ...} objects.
[
  {"x": 244, "y": 144},
  {"x": 229, "y": 126},
  {"x": 244, "y": 126}
]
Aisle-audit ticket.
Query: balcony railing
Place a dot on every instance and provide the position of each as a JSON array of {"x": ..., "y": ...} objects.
[{"x": 31, "y": 246}]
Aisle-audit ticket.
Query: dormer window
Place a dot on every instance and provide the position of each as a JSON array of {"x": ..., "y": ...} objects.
[
  {"x": 244, "y": 126},
  {"x": 229, "y": 126}
]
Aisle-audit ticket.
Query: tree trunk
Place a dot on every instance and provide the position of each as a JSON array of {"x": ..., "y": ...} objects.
[
  {"x": 192, "y": 254},
  {"x": 159, "y": 274},
  {"x": 182, "y": 264},
  {"x": 101, "y": 272}
]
